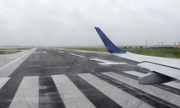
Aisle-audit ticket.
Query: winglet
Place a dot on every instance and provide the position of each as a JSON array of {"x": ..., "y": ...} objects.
[{"x": 107, "y": 42}]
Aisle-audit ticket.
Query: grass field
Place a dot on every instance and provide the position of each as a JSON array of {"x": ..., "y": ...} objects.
[
  {"x": 171, "y": 53},
  {"x": 12, "y": 50},
  {"x": 16, "y": 49},
  {"x": 8, "y": 52}
]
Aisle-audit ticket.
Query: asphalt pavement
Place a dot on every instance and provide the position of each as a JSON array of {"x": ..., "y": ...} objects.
[{"x": 61, "y": 78}]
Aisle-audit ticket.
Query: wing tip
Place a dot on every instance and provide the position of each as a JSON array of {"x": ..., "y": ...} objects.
[{"x": 108, "y": 43}]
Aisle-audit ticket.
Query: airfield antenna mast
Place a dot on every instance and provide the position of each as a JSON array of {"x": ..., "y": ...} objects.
[
  {"x": 158, "y": 44},
  {"x": 174, "y": 44},
  {"x": 146, "y": 43},
  {"x": 162, "y": 44}
]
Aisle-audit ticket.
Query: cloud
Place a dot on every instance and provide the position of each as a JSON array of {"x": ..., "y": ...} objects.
[{"x": 70, "y": 23}]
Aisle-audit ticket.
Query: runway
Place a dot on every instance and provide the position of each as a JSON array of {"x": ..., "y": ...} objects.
[{"x": 61, "y": 78}]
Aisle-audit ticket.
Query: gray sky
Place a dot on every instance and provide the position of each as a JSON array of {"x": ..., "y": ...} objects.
[{"x": 71, "y": 22}]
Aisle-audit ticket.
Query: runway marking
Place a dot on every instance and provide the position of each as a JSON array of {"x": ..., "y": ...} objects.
[
  {"x": 106, "y": 62},
  {"x": 120, "y": 97},
  {"x": 157, "y": 92},
  {"x": 33, "y": 66},
  {"x": 34, "y": 52},
  {"x": 76, "y": 55},
  {"x": 48, "y": 94},
  {"x": 3, "y": 81},
  {"x": 61, "y": 51},
  {"x": 56, "y": 67},
  {"x": 44, "y": 51},
  {"x": 173, "y": 84},
  {"x": 135, "y": 73},
  {"x": 13, "y": 61},
  {"x": 39, "y": 51},
  {"x": 70, "y": 94},
  {"x": 27, "y": 95}
]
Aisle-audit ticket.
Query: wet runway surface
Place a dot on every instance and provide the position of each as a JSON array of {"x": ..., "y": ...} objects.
[{"x": 59, "y": 78}]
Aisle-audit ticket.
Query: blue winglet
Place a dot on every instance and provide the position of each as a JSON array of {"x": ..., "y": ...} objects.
[{"x": 107, "y": 42}]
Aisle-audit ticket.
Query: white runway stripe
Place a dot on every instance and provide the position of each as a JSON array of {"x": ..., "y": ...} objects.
[
  {"x": 173, "y": 84},
  {"x": 76, "y": 55},
  {"x": 70, "y": 94},
  {"x": 3, "y": 81},
  {"x": 165, "y": 95},
  {"x": 5, "y": 66},
  {"x": 61, "y": 51},
  {"x": 107, "y": 62},
  {"x": 135, "y": 73},
  {"x": 120, "y": 97},
  {"x": 27, "y": 95},
  {"x": 44, "y": 51},
  {"x": 39, "y": 51}
]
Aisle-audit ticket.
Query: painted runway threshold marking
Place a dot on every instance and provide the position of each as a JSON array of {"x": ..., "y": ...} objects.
[
  {"x": 120, "y": 97},
  {"x": 157, "y": 92},
  {"x": 71, "y": 95},
  {"x": 76, "y": 55},
  {"x": 27, "y": 95},
  {"x": 3, "y": 81},
  {"x": 106, "y": 62}
]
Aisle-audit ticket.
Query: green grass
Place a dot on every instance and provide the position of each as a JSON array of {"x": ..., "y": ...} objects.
[
  {"x": 24, "y": 48},
  {"x": 16, "y": 49},
  {"x": 8, "y": 52},
  {"x": 12, "y": 50},
  {"x": 171, "y": 53}
]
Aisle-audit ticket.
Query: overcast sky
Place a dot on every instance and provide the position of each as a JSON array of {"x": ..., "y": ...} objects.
[{"x": 72, "y": 22}]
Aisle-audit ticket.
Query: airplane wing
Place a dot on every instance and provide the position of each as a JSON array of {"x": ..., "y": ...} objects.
[{"x": 162, "y": 69}]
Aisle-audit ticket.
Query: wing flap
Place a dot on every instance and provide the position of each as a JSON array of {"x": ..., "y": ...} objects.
[{"x": 165, "y": 70}]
